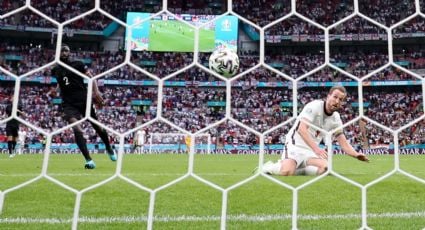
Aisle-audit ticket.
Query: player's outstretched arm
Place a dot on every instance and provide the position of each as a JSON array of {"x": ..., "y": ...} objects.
[
  {"x": 97, "y": 96},
  {"x": 305, "y": 134},
  {"x": 347, "y": 148}
]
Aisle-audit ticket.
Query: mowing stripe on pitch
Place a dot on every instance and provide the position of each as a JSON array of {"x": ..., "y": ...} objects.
[{"x": 250, "y": 218}]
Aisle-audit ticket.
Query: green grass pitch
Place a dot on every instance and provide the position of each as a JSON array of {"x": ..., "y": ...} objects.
[
  {"x": 397, "y": 202},
  {"x": 174, "y": 36}
]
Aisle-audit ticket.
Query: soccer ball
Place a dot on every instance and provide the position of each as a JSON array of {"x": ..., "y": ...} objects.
[{"x": 224, "y": 62}]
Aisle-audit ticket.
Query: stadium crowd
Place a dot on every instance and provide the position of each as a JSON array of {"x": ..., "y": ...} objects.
[
  {"x": 63, "y": 10},
  {"x": 260, "y": 108},
  {"x": 294, "y": 26},
  {"x": 295, "y": 65},
  {"x": 32, "y": 56},
  {"x": 119, "y": 9},
  {"x": 188, "y": 108},
  {"x": 214, "y": 7},
  {"x": 26, "y": 18},
  {"x": 414, "y": 59},
  {"x": 162, "y": 64},
  {"x": 125, "y": 73},
  {"x": 257, "y": 107},
  {"x": 387, "y": 12},
  {"x": 8, "y": 5},
  {"x": 258, "y": 12},
  {"x": 325, "y": 12},
  {"x": 356, "y": 25},
  {"x": 262, "y": 12},
  {"x": 166, "y": 63},
  {"x": 249, "y": 103},
  {"x": 117, "y": 113},
  {"x": 359, "y": 63},
  {"x": 391, "y": 74},
  {"x": 393, "y": 109}
]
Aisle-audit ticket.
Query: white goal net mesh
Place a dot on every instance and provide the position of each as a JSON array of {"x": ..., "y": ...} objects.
[{"x": 254, "y": 120}]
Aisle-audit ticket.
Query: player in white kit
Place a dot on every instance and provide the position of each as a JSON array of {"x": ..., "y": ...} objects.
[
  {"x": 303, "y": 156},
  {"x": 22, "y": 135},
  {"x": 139, "y": 141}
]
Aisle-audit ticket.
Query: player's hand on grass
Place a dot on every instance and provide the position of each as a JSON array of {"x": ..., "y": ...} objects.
[{"x": 362, "y": 157}]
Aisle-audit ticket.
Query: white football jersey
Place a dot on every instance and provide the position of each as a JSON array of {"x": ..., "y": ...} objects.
[
  {"x": 140, "y": 137},
  {"x": 22, "y": 134},
  {"x": 314, "y": 112}
]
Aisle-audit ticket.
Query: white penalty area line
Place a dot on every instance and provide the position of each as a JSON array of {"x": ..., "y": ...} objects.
[{"x": 247, "y": 218}]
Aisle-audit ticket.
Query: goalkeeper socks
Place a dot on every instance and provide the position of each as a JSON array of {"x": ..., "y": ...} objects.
[
  {"x": 103, "y": 135},
  {"x": 9, "y": 146},
  {"x": 13, "y": 145},
  {"x": 81, "y": 142}
]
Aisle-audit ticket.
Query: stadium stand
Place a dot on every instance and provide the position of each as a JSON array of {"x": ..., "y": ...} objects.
[
  {"x": 387, "y": 12},
  {"x": 259, "y": 107},
  {"x": 262, "y": 12},
  {"x": 325, "y": 12},
  {"x": 243, "y": 114}
]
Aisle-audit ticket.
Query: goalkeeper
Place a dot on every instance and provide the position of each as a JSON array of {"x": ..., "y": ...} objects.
[
  {"x": 187, "y": 141},
  {"x": 74, "y": 95},
  {"x": 303, "y": 154}
]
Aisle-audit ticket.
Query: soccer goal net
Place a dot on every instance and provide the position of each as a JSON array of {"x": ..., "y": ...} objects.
[{"x": 151, "y": 66}]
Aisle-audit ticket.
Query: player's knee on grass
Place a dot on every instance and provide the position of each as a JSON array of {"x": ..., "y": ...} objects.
[
  {"x": 321, "y": 170},
  {"x": 288, "y": 167},
  {"x": 284, "y": 172},
  {"x": 311, "y": 170},
  {"x": 320, "y": 164}
]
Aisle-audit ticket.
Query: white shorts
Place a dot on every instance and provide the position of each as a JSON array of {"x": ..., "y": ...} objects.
[{"x": 298, "y": 154}]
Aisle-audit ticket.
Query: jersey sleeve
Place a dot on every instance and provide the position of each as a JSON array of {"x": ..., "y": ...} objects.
[
  {"x": 78, "y": 65},
  {"x": 309, "y": 111}
]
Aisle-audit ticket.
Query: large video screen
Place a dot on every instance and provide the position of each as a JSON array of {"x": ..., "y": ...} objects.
[{"x": 166, "y": 33}]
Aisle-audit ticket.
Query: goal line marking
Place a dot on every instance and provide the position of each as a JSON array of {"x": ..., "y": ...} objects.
[{"x": 243, "y": 217}]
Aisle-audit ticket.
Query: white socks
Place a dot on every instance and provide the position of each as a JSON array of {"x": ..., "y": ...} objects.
[
  {"x": 307, "y": 171},
  {"x": 272, "y": 168}
]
